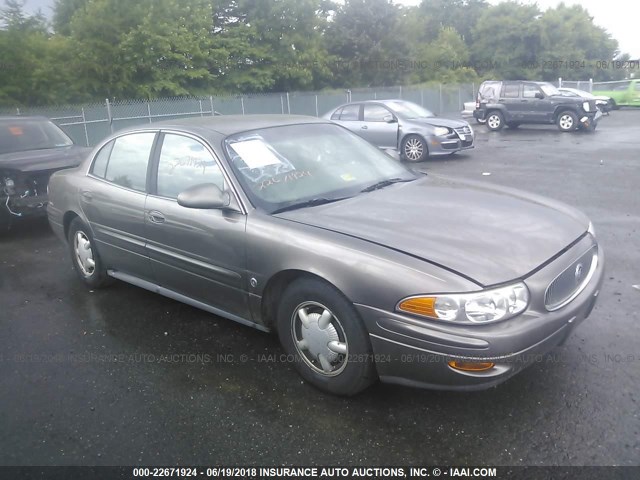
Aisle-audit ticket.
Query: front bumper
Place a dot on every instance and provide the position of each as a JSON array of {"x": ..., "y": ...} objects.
[
  {"x": 416, "y": 352},
  {"x": 590, "y": 119},
  {"x": 447, "y": 144}
]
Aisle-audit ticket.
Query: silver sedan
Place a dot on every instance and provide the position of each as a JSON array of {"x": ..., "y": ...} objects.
[{"x": 404, "y": 126}]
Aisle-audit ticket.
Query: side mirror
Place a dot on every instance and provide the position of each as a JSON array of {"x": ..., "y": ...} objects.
[
  {"x": 539, "y": 95},
  {"x": 204, "y": 196},
  {"x": 389, "y": 118}
]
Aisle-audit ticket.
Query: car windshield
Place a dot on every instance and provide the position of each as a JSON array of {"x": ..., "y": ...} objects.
[
  {"x": 409, "y": 110},
  {"x": 19, "y": 135},
  {"x": 549, "y": 89},
  {"x": 303, "y": 165}
]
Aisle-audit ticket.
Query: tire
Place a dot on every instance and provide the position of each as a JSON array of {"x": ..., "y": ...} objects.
[
  {"x": 567, "y": 121},
  {"x": 414, "y": 148},
  {"x": 495, "y": 121},
  {"x": 614, "y": 105},
  {"x": 347, "y": 367},
  {"x": 84, "y": 255}
]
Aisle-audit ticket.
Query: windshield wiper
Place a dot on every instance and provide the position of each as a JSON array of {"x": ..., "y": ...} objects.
[
  {"x": 308, "y": 203},
  {"x": 385, "y": 183}
]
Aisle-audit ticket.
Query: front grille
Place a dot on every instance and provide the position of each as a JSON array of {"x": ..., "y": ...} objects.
[
  {"x": 568, "y": 285},
  {"x": 463, "y": 130}
]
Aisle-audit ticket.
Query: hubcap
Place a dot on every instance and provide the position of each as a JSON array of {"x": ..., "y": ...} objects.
[
  {"x": 84, "y": 254},
  {"x": 566, "y": 122},
  {"x": 494, "y": 121},
  {"x": 413, "y": 149},
  {"x": 319, "y": 338}
]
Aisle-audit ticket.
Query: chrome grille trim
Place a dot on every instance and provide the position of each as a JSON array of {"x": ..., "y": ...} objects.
[
  {"x": 465, "y": 130},
  {"x": 552, "y": 304}
]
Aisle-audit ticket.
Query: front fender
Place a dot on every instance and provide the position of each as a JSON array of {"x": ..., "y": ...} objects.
[{"x": 366, "y": 273}]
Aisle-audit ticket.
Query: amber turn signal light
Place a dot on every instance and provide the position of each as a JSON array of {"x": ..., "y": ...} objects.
[
  {"x": 419, "y": 306},
  {"x": 471, "y": 366}
]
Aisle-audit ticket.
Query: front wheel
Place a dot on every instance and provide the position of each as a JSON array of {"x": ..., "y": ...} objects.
[
  {"x": 495, "y": 121},
  {"x": 567, "y": 121},
  {"x": 322, "y": 333},
  {"x": 84, "y": 255},
  {"x": 414, "y": 148}
]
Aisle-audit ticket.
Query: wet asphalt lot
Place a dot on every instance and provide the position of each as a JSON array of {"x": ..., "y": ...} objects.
[{"x": 122, "y": 376}]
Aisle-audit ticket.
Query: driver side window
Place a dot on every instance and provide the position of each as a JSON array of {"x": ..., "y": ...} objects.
[{"x": 185, "y": 162}]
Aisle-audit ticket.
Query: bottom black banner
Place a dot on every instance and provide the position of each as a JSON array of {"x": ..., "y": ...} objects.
[{"x": 323, "y": 473}]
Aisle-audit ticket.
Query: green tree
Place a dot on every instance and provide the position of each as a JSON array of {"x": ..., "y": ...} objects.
[
  {"x": 572, "y": 44},
  {"x": 461, "y": 15},
  {"x": 275, "y": 45},
  {"x": 507, "y": 41},
  {"x": 32, "y": 64},
  {"x": 446, "y": 59},
  {"x": 364, "y": 36}
]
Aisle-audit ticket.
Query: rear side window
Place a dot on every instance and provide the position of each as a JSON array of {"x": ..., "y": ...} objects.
[
  {"x": 128, "y": 161},
  {"x": 511, "y": 91},
  {"x": 637, "y": 86},
  {"x": 99, "y": 168}
]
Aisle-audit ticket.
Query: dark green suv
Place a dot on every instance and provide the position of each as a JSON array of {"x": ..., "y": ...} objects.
[{"x": 513, "y": 103}]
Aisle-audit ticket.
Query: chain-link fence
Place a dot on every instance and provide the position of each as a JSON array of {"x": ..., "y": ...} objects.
[
  {"x": 88, "y": 124},
  {"x": 590, "y": 85}
]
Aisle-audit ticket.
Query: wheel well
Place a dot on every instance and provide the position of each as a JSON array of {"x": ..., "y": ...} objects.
[
  {"x": 274, "y": 290},
  {"x": 66, "y": 222},
  {"x": 560, "y": 110}
]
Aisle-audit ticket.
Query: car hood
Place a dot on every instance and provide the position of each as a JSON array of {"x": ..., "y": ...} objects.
[
  {"x": 485, "y": 233},
  {"x": 50, "y": 159},
  {"x": 437, "y": 122}
]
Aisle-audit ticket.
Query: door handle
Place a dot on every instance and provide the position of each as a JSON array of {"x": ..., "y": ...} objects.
[
  {"x": 156, "y": 217},
  {"x": 86, "y": 194},
  {"x": 364, "y": 127}
]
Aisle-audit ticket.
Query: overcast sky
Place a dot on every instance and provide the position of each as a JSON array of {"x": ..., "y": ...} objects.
[{"x": 619, "y": 17}]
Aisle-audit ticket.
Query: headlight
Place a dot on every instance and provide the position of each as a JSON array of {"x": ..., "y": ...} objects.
[
  {"x": 478, "y": 307},
  {"x": 439, "y": 131},
  {"x": 471, "y": 129},
  {"x": 585, "y": 106},
  {"x": 591, "y": 229}
]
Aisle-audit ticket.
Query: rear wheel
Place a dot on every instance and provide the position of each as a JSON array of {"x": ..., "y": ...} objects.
[
  {"x": 322, "y": 333},
  {"x": 495, "y": 121},
  {"x": 567, "y": 121},
  {"x": 84, "y": 255}
]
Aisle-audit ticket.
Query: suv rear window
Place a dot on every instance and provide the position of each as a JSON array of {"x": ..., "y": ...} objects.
[{"x": 511, "y": 90}]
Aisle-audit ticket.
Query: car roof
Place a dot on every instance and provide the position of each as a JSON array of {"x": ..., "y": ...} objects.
[
  {"x": 23, "y": 117},
  {"x": 228, "y": 124},
  {"x": 375, "y": 101}
]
